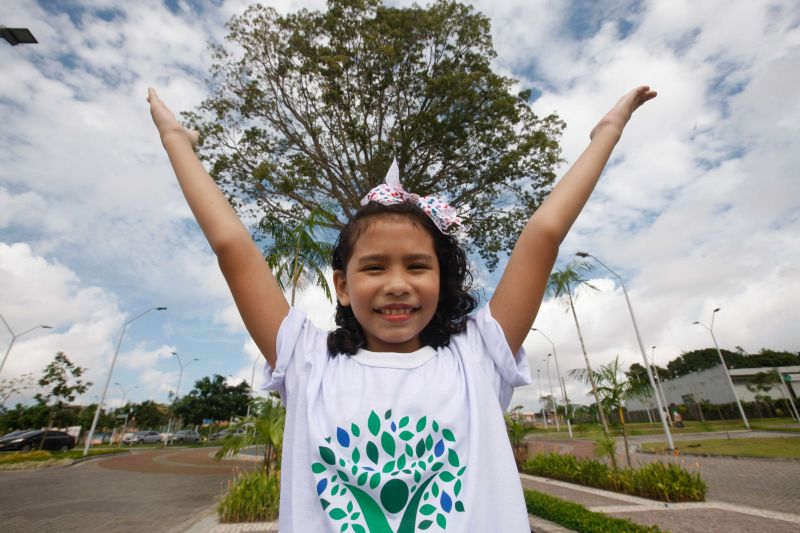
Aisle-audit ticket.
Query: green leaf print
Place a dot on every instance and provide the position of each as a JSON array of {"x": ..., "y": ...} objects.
[
  {"x": 374, "y": 423},
  {"x": 387, "y": 441}
]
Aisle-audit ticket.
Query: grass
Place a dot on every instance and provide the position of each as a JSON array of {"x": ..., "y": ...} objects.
[
  {"x": 41, "y": 459},
  {"x": 775, "y": 447},
  {"x": 594, "y": 431}
]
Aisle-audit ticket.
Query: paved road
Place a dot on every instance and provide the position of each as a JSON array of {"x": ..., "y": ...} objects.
[{"x": 158, "y": 490}]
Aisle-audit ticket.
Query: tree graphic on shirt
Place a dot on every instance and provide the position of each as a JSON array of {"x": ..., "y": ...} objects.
[{"x": 368, "y": 482}]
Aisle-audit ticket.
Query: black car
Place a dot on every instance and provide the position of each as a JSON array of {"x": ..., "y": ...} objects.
[{"x": 25, "y": 442}]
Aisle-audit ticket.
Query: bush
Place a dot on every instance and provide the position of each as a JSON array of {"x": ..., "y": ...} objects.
[
  {"x": 577, "y": 517},
  {"x": 659, "y": 481},
  {"x": 251, "y": 497}
]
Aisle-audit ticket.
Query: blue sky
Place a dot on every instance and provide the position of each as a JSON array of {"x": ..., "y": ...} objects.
[{"x": 698, "y": 208}]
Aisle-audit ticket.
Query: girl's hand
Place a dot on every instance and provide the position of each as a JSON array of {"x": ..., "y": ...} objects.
[
  {"x": 165, "y": 120},
  {"x": 620, "y": 114}
]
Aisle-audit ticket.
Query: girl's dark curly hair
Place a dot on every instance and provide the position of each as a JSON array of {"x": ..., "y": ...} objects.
[{"x": 456, "y": 299}]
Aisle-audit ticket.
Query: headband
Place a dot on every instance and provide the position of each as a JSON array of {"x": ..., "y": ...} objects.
[{"x": 391, "y": 192}]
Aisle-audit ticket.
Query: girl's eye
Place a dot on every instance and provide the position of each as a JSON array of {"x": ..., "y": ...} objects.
[
  {"x": 373, "y": 268},
  {"x": 418, "y": 266}
]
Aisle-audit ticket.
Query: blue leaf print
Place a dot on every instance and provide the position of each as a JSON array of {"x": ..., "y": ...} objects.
[
  {"x": 394, "y": 426},
  {"x": 439, "y": 449},
  {"x": 343, "y": 437},
  {"x": 321, "y": 485},
  {"x": 446, "y": 502}
]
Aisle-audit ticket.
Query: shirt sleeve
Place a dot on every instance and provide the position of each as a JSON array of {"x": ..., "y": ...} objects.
[
  {"x": 299, "y": 344},
  {"x": 506, "y": 370}
]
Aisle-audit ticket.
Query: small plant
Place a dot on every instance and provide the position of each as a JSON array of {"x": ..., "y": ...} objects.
[{"x": 251, "y": 497}]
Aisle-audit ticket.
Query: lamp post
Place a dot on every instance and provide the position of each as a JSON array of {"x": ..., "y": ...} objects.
[
  {"x": 660, "y": 389},
  {"x": 14, "y": 337},
  {"x": 16, "y": 36},
  {"x": 539, "y": 379},
  {"x": 664, "y": 423},
  {"x": 560, "y": 380},
  {"x": 177, "y": 391},
  {"x": 724, "y": 366},
  {"x": 252, "y": 378},
  {"x": 108, "y": 378},
  {"x": 552, "y": 396},
  {"x": 127, "y": 412}
]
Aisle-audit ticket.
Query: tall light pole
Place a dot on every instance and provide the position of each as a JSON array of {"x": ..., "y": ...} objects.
[
  {"x": 667, "y": 434},
  {"x": 539, "y": 379},
  {"x": 127, "y": 412},
  {"x": 14, "y": 337},
  {"x": 108, "y": 378},
  {"x": 724, "y": 366},
  {"x": 177, "y": 390},
  {"x": 552, "y": 396},
  {"x": 560, "y": 380},
  {"x": 252, "y": 378},
  {"x": 658, "y": 382}
]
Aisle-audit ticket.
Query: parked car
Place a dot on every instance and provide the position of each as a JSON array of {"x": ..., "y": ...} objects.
[
  {"x": 15, "y": 433},
  {"x": 142, "y": 437},
  {"x": 186, "y": 435},
  {"x": 32, "y": 440},
  {"x": 225, "y": 432}
]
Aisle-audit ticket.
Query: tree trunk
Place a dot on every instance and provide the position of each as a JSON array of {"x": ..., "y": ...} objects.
[
  {"x": 588, "y": 367},
  {"x": 625, "y": 437}
]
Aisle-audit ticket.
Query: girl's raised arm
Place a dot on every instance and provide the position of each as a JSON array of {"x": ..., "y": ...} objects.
[
  {"x": 257, "y": 295},
  {"x": 519, "y": 294}
]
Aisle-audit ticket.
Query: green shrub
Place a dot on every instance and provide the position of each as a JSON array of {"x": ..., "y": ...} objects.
[
  {"x": 21, "y": 457},
  {"x": 658, "y": 481},
  {"x": 574, "y": 516},
  {"x": 251, "y": 497}
]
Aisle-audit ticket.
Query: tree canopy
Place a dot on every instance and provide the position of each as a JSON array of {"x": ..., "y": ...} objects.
[
  {"x": 213, "y": 398},
  {"x": 310, "y": 108}
]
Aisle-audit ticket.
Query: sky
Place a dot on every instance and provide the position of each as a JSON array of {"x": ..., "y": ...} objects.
[{"x": 698, "y": 208}]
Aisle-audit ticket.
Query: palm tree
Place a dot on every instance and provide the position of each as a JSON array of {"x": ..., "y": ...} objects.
[
  {"x": 265, "y": 429},
  {"x": 296, "y": 257},
  {"x": 615, "y": 392},
  {"x": 560, "y": 285}
]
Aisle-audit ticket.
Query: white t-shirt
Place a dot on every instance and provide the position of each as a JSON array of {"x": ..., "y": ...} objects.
[{"x": 398, "y": 442}]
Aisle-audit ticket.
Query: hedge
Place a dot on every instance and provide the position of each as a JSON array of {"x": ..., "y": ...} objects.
[
  {"x": 574, "y": 516},
  {"x": 666, "y": 482}
]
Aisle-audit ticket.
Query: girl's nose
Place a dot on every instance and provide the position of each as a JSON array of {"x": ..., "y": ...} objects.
[{"x": 396, "y": 284}]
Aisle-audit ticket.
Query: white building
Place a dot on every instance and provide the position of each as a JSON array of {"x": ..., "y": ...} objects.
[{"x": 712, "y": 385}]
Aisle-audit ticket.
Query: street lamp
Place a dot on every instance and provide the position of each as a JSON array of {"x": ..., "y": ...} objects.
[
  {"x": 125, "y": 423},
  {"x": 552, "y": 396},
  {"x": 664, "y": 423},
  {"x": 16, "y": 36},
  {"x": 108, "y": 378},
  {"x": 252, "y": 378},
  {"x": 14, "y": 338},
  {"x": 541, "y": 404},
  {"x": 660, "y": 389},
  {"x": 177, "y": 390},
  {"x": 724, "y": 366},
  {"x": 560, "y": 380}
]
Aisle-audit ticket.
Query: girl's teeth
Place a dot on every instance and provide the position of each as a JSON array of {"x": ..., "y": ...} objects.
[{"x": 395, "y": 311}]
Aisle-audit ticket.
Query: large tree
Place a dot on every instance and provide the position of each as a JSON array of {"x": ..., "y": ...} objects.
[
  {"x": 62, "y": 384},
  {"x": 310, "y": 108},
  {"x": 213, "y": 398}
]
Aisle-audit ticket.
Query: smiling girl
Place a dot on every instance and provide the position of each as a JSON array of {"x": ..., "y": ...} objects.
[{"x": 395, "y": 419}]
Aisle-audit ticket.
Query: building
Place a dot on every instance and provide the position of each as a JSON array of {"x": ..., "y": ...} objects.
[{"x": 712, "y": 386}]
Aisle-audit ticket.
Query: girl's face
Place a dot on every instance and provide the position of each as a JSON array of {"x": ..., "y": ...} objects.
[{"x": 391, "y": 282}]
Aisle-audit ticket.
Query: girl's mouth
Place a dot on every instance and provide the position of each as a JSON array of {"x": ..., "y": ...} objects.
[{"x": 396, "y": 314}]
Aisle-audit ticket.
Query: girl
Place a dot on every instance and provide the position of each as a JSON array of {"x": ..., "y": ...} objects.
[{"x": 394, "y": 420}]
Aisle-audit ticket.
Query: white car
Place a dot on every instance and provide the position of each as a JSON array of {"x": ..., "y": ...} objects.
[{"x": 142, "y": 437}]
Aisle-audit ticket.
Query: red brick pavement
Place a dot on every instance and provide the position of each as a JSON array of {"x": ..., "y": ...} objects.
[{"x": 198, "y": 461}]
